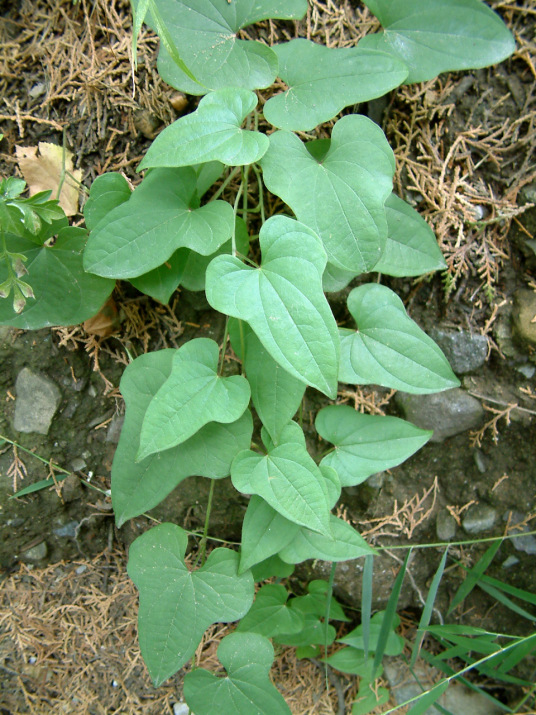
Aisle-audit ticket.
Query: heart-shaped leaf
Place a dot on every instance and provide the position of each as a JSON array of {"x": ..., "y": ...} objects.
[
  {"x": 315, "y": 602},
  {"x": 322, "y": 81},
  {"x": 64, "y": 293},
  {"x": 314, "y": 632},
  {"x": 206, "y": 31},
  {"x": 275, "y": 393},
  {"x": 356, "y": 639},
  {"x": 439, "y": 35},
  {"x": 270, "y": 568},
  {"x": 338, "y": 189},
  {"x": 283, "y": 301},
  {"x": 270, "y": 614},
  {"x": 288, "y": 479},
  {"x": 247, "y": 688},
  {"x": 366, "y": 444},
  {"x": 211, "y": 133},
  {"x": 388, "y": 347},
  {"x": 186, "y": 268},
  {"x": 411, "y": 247},
  {"x": 178, "y": 605},
  {"x": 162, "y": 215},
  {"x": 192, "y": 396},
  {"x": 140, "y": 486},
  {"x": 106, "y": 193}
]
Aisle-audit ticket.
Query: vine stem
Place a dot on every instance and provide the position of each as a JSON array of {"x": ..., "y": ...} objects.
[
  {"x": 225, "y": 183},
  {"x": 261, "y": 191},
  {"x": 203, "y": 545},
  {"x": 326, "y": 619}
]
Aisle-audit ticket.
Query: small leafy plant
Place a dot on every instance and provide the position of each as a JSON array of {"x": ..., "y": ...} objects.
[{"x": 186, "y": 414}]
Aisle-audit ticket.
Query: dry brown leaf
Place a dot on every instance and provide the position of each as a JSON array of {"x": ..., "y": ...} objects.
[{"x": 41, "y": 168}]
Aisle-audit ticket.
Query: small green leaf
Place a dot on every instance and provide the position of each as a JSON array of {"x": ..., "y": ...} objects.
[
  {"x": 270, "y": 614},
  {"x": 162, "y": 215},
  {"x": 439, "y": 35},
  {"x": 340, "y": 193},
  {"x": 64, "y": 293},
  {"x": 270, "y": 568},
  {"x": 288, "y": 479},
  {"x": 388, "y": 347},
  {"x": 316, "y": 601},
  {"x": 192, "y": 396},
  {"x": 264, "y": 533},
  {"x": 247, "y": 688},
  {"x": 322, "y": 81},
  {"x": 369, "y": 697},
  {"x": 211, "y": 133},
  {"x": 177, "y": 605},
  {"x": 275, "y": 393},
  {"x": 139, "y": 486},
  {"x": 314, "y": 632},
  {"x": 283, "y": 301},
  {"x": 206, "y": 33},
  {"x": 393, "y": 646},
  {"x": 351, "y": 660},
  {"x": 366, "y": 444},
  {"x": 106, "y": 193}
]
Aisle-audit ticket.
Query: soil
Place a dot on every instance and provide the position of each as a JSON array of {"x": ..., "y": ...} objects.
[{"x": 465, "y": 160}]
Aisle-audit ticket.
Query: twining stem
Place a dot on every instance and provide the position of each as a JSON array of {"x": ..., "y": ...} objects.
[
  {"x": 203, "y": 545},
  {"x": 245, "y": 174},
  {"x": 223, "y": 346},
  {"x": 235, "y": 208},
  {"x": 225, "y": 183},
  {"x": 261, "y": 191}
]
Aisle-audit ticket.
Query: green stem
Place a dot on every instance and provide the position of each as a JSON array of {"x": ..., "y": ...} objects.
[
  {"x": 223, "y": 346},
  {"x": 245, "y": 174},
  {"x": 326, "y": 620},
  {"x": 261, "y": 191},
  {"x": 203, "y": 544},
  {"x": 225, "y": 183},
  {"x": 437, "y": 544},
  {"x": 37, "y": 456},
  {"x": 235, "y": 209}
]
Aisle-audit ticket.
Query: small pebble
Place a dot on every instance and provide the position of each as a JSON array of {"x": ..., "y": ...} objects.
[
  {"x": 480, "y": 517},
  {"x": 510, "y": 561},
  {"x": 180, "y": 709},
  {"x": 80, "y": 569},
  {"x": 445, "y": 526}
]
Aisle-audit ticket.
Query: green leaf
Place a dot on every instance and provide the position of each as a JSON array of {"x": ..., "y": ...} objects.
[
  {"x": 64, "y": 293},
  {"x": 288, "y": 479},
  {"x": 270, "y": 568},
  {"x": 340, "y": 193},
  {"x": 369, "y": 697},
  {"x": 439, "y": 35},
  {"x": 177, "y": 605},
  {"x": 206, "y": 33},
  {"x": 336, "y": 279},
  {"x": 275, "y": 393},
  {"x": 283, "y": 301},
  {"x": 474, "y": 575},
  {"x": 427, "y": 610},
  {"x": 322, "y": 81},
  {"x": 161, "y": 216},
  {"x": 351, "y": 660},
  {"x": 107, "y": 192},
  {"x": 264, "y": 533},
  {"x": 192, "y": 396},
  {"x": 270, "y": 614},
  {"x": 366, "y": 444},
  {"x": 186, "y": 268},
  {"x": 315, "y": 602},
  {"x": 247, "y": 688},
  {"x": 394, "y": 644},
  {"x": 428, "y": 698},
  {"x": 139, "y": 486},
  {"x": 314, "y": 632},
  {"x": 211, "y": 133},
  {"x": 411, "y": 247},
  {"x": 388, "y": 347},
  {"x": 389, "y": 619}
]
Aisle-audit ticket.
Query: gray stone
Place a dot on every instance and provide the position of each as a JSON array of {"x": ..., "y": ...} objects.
[
  {"x": 480, "y": 517},
  {"x": 510, "y": 561},
  {"x": 446, "y": 413},
  {"x": 480, "y": 461},
  {"x": 78, "y": 464},
  {"x": 445, "y": 526},
  {"x": 37, "y": 401},
  {"x": 68, "y": 530},
  {"x": 464, "y": 351},
  {"x": 524, "y": 317},
  {"x": 35, "y": 553},
  {"x": 114, "y": 429},
  {"x": 376, "y": 480},
  {"x": 526, "y": 543},
  {"x": 527, "y": 370}
]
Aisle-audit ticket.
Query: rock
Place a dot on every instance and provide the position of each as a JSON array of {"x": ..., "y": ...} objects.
[
  {"x": 447, "y": 413},
  {"x": 510, "y": 561},
  {"x": 521, "y": 543},
  {"x": 35, "y": 553},
  {"x": 445, "y": 526},
  {"x": 464, "y": 351},
  {"x": 480, "y": 517},
  {"x": 71, "y": 488},
  {"x": 524, "y": 317},
  {"x": 37, "y": 401},
  {"x": 114, "y": 429},
  {"x": 480, "y": 461},
  {"x": 180, "y": 709},
  {"x": 68, "y": 530}
]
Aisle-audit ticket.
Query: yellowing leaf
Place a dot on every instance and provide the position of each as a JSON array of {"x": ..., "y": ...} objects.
[{"x": 41, "y": 167}]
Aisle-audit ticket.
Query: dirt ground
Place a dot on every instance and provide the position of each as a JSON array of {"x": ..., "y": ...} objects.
[{"x": 465, "y": 152}]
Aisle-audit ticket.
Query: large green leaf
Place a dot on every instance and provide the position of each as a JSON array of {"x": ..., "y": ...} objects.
[
  {"x": 388, "y": 347},
  {"x": 439, "y": 35},
  {"x": 192, "y": 396},
  {"x": 270, "y": 614},
  {"x": 139, "y": 486},
  {"x": 186, "y": 268},
  {"x": 411, "y": 247},
  {"x": 178, "y": 605},
  {"x": 283, "y": 301},
  {"x": 106, "y": 193},
  {"x": 338, "y": 188},
  {"x": 211, "y": 133},
  {"x": 355, "y": 639},
  {"x": 275, "y": 393},
  {"x": 205, "y": 31},
  {"x": 162, "y": 215},
  {"x": 247, "y": 688},
  {"x": 288, "y": 479},
  {"x": 322, "y": 81},
  {"x": 366, "y": 444},
  {"x": 64, "y": 293}
]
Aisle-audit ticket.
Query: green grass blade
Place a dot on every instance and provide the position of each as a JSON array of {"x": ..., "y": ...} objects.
[
  {"x": 366, "y": 601},
  {"x": 139, "y": 15},
  {"x": 499, "y": 596},
  {"x": 427, "y": 611},
  {"x": 474, "y": 575},
  {"x": 428, "y": 699},
  {"x": 511, "y": 590}
]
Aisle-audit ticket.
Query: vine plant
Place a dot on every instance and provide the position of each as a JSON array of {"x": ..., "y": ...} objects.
[{"x": 185, "y": 415}]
